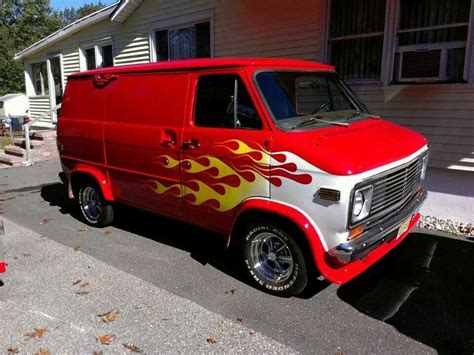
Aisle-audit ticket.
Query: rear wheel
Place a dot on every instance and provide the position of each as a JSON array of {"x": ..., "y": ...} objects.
[
  {"x": 95, "y": 210},
  {"x": 274, "y": 260}
]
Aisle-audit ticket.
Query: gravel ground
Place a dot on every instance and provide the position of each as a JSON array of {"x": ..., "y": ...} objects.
[{"x": 447, "y": 225}]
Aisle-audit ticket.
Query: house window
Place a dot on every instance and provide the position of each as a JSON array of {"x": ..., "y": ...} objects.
[
  {"x": 431, "y": 40},
  {"x": 97, "y": 56},
  {"x": 400, "y": 41},
  {"x": 107, "y": 56},
  {"x": 216, "y": 106},
  {"x": 356, "y": 36},
  {"x": 40, "y": 78},
  {"x": 90, "y": 58},
  {"x": 184, "y": 43}
]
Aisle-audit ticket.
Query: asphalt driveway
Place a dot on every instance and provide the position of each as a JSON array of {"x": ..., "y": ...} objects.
[{"x": 417, "y": 300}]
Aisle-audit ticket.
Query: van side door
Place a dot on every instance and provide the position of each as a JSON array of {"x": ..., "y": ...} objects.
[
  {"x": 225, "y": 155},
  {"x": 142, "y": 139}
]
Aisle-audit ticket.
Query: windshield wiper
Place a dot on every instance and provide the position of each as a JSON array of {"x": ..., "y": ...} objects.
[{"x": 313, "y": 119}]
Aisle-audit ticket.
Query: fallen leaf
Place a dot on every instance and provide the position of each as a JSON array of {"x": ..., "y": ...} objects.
[
  {"x": 107, "y": 233},
  {"x": 132, "y": 348},
  {"x": 211, "y": 340},
  {"x": 84, "y": 284},
  {"x": 27, "y": 254},
  {"x": 109, "y": 316},
  {"x": 77, "y": 247},
  {"x": 43, "y": 351},
  {"x": 46, "y": 220},
  {"x": 36, "y": 333},
  {"x": 252, "y": 333},
  {"x": 231, "y": 291},
  {"x": 76, "y": 282},
  {"x": 12, "y": 350},
  {"x": 82, "y": 293},
  {"x": 83, "y": 229},
  {"x": 240, "y": 320},
  {"x": 97, "y": 353},
  {"x": 106, "y": 339}
]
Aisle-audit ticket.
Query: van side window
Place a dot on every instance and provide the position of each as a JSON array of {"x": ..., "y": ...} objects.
[{"x": 215, "y": 105}]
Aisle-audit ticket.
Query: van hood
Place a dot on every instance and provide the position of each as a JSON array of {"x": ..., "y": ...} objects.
[{"x": 362, "y": 146}]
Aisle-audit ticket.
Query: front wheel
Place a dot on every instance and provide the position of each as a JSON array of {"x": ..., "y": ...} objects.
[
  {"x": 274, "y": 260},
  {"x": 95, "y": 210}
]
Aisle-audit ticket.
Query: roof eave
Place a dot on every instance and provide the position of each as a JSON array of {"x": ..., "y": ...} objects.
[
  {"x": 70, "y": 29},
  {"x": 124, "y": 9}
]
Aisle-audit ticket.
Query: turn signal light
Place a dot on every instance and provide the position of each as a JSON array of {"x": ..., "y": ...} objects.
[{"x": 354, "y": 233}]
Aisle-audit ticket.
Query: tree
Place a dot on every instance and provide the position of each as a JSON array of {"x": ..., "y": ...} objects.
[
  {"x": 22, "y": 23},
  {"x": 70, "y": 14}
]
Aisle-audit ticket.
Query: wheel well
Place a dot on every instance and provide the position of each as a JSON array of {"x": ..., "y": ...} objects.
[
  {"x": 78, "y": 179},
  {"x": 252, "y": 215}
]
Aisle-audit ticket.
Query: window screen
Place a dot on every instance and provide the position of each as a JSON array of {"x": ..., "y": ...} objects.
[
  {"x": 356, "y": 37},
  {"x": 90, "y": 58},
  {"x": 40, "y": 78},
  {"x": 107, "y": 56},
  {"x": 184, "y": 43},
  {"x": 215, "y": 103},
  {"x": 432, "y": 39}
]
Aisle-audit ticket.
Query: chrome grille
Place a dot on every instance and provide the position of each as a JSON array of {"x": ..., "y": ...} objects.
[{"x": 395, "y": 188}]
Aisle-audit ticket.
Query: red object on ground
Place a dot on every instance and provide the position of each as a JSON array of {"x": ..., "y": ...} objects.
[{"x": 3, "y": 266}]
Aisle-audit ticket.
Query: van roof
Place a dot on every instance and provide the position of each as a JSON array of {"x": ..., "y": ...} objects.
[{"x": 209, "y": 63}]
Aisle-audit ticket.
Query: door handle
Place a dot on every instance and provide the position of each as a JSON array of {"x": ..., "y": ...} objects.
[
  {"x": 191, "y": 144},
  {"x": 168, "y": 143}
]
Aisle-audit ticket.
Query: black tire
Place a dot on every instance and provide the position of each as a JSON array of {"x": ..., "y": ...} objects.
[
  {"x": 94, "y": 209},
  {"x": 270, "y": 269}
]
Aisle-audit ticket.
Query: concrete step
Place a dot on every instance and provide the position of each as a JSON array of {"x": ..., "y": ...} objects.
[
  {"x": 44, "y": 124},
  {"x": 34, "y": 143},
  {"x": 43, "y": 135},
  {"x": 11, "y": 160},
  {"x": 14, "y": 150}
]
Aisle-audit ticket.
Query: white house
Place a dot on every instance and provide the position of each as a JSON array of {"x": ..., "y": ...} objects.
[{"x": 412, "y": 62}]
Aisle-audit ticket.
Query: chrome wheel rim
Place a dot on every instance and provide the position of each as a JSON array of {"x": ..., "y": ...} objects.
[
  {"x": 91, "y": 203},
  {"x": 271, "y": 257}
]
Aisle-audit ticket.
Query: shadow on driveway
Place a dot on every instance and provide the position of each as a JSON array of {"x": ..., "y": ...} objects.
[
  {"x": 202, "y": 245},
  {"x": 425, "y": 289}
]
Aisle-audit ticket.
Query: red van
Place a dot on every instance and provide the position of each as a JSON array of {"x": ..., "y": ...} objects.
[{"x": 280, "y": 156}]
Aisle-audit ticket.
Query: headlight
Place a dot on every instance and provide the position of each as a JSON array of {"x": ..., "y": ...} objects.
[
  {"x": 361, "y": 203},
  {"x": 424, "y": 166}
]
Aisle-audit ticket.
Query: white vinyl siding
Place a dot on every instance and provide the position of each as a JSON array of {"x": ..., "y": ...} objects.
[
  {"x": 38, "y": 105},
  {"x": 136, "y": 52},
  {"x": 70, "y": 64},
  {"x": 296, "y": 29}
]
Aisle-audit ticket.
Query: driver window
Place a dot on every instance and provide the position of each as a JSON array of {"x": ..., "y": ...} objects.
[{"x": 215, "y": 103}]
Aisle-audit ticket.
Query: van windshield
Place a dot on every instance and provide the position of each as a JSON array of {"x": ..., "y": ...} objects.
[{"x": 306, "y": 99}]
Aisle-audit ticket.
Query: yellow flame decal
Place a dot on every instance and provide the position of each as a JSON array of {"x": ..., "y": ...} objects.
[{"x": 218, "y": 181}]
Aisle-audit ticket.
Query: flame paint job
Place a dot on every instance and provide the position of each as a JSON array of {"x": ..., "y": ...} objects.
[{"x": 226, "y": 185}]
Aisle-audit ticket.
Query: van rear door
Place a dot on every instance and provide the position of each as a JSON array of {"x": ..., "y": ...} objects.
[
  {"x": 225, "y": 149},
  {"x": 81, "y": 126},
  {"x": 142, "y": 139}
]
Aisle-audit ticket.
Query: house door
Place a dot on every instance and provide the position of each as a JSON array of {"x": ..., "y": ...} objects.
[{"x": 224, "y": 151}]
